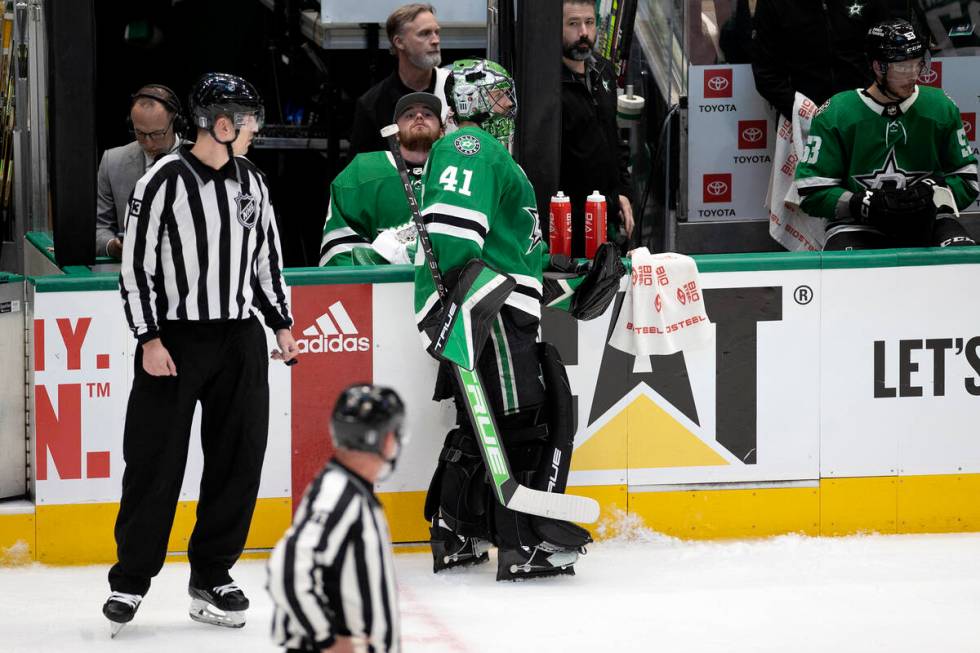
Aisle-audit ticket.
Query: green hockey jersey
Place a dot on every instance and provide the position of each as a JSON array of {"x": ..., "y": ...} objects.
[
  {"x": 478, "y": 203},
  {"x": 366, "y": 198},
  {"x": 855, "y": 145}
]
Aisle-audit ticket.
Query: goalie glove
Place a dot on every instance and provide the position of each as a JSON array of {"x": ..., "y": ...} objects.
[{"x": 601, "y": 284}]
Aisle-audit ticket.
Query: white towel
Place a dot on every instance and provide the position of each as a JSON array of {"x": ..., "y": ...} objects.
[
  {"x": 663, "y": 311},
  {"x": 788, "y": 224}
]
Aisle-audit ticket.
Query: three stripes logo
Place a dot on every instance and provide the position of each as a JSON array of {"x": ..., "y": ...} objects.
[{"x": 333, "y": 332}]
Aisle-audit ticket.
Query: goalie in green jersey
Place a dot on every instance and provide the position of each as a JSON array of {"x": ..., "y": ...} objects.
[
  {"x": 368, "y": 222},
  {"x": 891, "y": 165},
  {"x": 481, "y": 217}
]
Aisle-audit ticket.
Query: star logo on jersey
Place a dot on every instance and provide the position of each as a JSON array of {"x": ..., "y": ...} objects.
[
  {"x": 536, "y": 235},
  {"x": 246, "y": 210},
  {"x": 467, "y": 145},
  {"x": 890, "y": 175},
  {"x": 855, "y": 10}
]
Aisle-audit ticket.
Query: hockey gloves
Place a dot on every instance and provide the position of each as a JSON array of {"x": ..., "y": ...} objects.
[{"x": 906, "y": 214}]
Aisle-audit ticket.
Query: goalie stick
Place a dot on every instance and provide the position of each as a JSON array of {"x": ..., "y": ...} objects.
[{"x": 509, "y": 492}]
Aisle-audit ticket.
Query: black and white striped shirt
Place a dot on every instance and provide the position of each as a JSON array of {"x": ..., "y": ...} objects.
[
  {"x": 332, "y": 573},
  {"x": 199, "y": 246}
]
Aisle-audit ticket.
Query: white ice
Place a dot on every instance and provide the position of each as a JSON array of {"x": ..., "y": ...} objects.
[{"x": 641, "y": 592}]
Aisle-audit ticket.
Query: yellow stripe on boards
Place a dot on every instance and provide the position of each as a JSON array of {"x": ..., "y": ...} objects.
[
  {"x": 83, "y": 533},
  {"x": 17, "y": 539}
]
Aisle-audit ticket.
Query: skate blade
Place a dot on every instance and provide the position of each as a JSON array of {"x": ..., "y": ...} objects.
[
  {"x": 114, "y": 629},
  {"x": 205, "y": 613}
]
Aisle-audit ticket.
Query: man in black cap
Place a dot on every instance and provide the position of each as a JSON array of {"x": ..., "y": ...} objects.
[{"x": 368, "y": 221}]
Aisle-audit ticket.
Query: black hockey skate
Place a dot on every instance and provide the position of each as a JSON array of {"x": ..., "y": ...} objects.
[
  {"x": 536, "y": 562},
  {"x": 120, "y": 609},
  {"x": 223, "y": 605},
  {"x": 452, "y": 550}
]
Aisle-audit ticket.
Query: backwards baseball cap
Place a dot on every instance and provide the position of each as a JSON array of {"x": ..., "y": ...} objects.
[{"x": 428, "y": 100}]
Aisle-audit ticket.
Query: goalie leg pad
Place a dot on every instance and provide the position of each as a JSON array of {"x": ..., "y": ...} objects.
[
  {"x": 556, "y": 458},
  {"x": 458, "y": 493}
]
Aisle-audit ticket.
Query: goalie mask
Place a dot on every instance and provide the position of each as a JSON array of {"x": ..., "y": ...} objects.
[{"x": 482, "y": 91}]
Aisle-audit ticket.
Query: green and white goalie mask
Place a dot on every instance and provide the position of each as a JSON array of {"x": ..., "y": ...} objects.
[{"x": 482, "y": 91}]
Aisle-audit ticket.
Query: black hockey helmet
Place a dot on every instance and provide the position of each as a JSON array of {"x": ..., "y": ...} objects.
[
  {"x": 222, "y": 94},
  {"x": 364, "y": 414},
  {"x": 894, "y": 40}
]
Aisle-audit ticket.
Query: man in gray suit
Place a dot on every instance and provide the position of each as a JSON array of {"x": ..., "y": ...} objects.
[{"x": 155, "y": 120}]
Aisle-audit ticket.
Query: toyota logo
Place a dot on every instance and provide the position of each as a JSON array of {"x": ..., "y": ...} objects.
[
  {"x": 928, "y": 76},
  {"x": 717, "y": 188},
  {"x": 968, "y": 127},
  {"x": 718, "y": 83},
  {"x": 752, "y": 134}
]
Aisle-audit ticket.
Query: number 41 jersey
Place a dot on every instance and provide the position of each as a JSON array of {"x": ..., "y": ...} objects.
[
  {"x": 478, "y": 203},
  {"x": 854, "y": 144}
]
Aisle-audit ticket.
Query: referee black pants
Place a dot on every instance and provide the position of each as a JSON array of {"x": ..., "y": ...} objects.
[{"x": 224, "y": 366}]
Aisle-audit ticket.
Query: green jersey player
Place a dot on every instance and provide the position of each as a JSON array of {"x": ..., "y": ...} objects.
[
  {"x": 368, "y": 222},
  {"x": 889, "y": 166},
  {"x": 477, "y": 203}
]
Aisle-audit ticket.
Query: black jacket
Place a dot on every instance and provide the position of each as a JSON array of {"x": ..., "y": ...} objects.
[
  {"x": 815, "y": 47},
  {"x": 375, "y": 109},
  {"x": 593, "y": 156}
]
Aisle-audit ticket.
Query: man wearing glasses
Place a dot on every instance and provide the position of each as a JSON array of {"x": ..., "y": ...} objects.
[{"x": 155, "y": 122}]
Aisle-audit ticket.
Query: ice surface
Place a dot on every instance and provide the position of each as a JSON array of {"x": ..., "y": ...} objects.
[{"x": 638, "y": 592}]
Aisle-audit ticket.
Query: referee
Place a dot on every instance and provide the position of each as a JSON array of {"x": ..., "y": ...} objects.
[
  {"x": 201, "y": 258},
  {"x": 331, "y": 576}
]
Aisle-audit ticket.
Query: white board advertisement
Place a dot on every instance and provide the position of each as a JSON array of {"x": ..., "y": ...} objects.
[{"x": 83, "y": 353}]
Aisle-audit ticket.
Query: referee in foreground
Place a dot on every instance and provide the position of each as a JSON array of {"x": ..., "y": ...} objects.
[
  {"x": 201, "y": 258},
  {"x": 331, "y": 576}
]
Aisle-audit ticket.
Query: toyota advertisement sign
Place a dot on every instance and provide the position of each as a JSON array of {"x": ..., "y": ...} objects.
[{"x": 731, "y": 135}]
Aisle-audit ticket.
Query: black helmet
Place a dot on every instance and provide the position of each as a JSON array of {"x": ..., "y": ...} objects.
[
  {"x": 893, "y": 40},
  {"x": 221, "y": 94},
  {"x": 364, "y": 414}
]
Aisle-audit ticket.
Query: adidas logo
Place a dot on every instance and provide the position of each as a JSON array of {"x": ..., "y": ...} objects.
[{"x": 333, "y": 332}]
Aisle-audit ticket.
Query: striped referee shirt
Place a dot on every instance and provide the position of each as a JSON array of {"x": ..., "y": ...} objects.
[
  {"x": 332, "y": 573},
  {"x": 200, "y": 246}
]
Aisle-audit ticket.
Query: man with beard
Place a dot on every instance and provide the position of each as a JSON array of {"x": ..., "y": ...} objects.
[
  {"x": 368, "y": 221},
  {"x": 414, "y": 36},
  {"x": 593, "y": 156},
  {"x": 891, "y": 165}
]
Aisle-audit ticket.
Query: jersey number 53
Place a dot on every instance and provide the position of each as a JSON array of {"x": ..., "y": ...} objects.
[{"x": 811, "y": 151}]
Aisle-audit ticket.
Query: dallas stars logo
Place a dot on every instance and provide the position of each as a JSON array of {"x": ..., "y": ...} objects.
[
  {"x": 855, "y": 10},
  {"x": 536, "y": 235},
  {"x": 467, "y": 144},
  {"x": 890, "y": 175}
]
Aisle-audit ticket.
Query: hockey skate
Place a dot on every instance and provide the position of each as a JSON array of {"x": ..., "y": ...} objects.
[
  {"x": 536, "y": 562},
  {"x": 119, "y": 609},
  {"x": 452, "y": 550},
  {"x": 224, "y": 605}
]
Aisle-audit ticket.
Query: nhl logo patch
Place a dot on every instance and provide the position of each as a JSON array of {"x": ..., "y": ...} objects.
[
  {"x": 467, "y": 144},
  {"x": 246, "y": 210}
]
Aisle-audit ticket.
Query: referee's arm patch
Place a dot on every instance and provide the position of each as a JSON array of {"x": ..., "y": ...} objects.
[{"x": 134, "y": 207}]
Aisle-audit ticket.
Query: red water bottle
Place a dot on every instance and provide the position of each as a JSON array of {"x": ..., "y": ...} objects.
[
  {"x": 595, "y": 223},
  {"x": 560, "y": 225}
]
